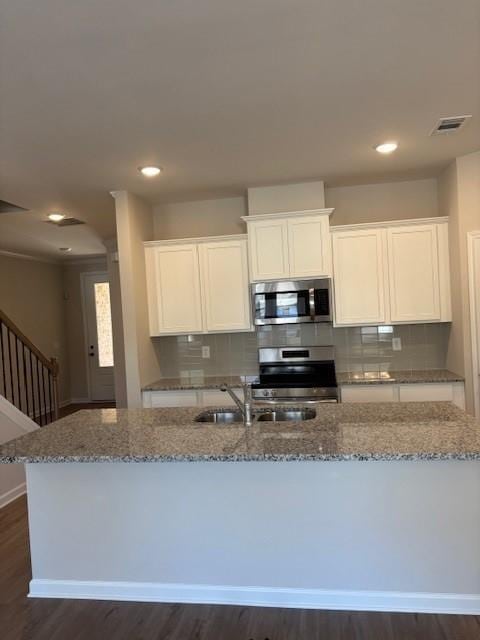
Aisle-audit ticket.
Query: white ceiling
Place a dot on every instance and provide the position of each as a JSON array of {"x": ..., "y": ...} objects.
[{"x": 226, "y": 95}]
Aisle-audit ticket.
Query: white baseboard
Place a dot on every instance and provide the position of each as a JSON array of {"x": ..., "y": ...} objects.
[
  {"x": 12, "y": 494},
  {"x": 79, "y": 401},
  {"x": 258, "y": 596}
]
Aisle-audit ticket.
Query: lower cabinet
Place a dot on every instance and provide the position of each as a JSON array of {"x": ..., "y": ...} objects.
[
  {"x": 410, "y": 392},
  {"x": 188, "y": 398}
]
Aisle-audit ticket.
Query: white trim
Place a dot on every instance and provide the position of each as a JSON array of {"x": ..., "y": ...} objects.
[
  {"x": 286, "y": 214},
  {"x": 15, "y": 415},
  {"x": 389, "y": 223},
  {"x": 25, "y": 256},
  {"x": 162, "y": 243},
  {"x": 473, "y": 237},
  {"x": 12, "y": 494},
  {"x": 79, "y": 401},
  {"x": 458, "y": 603}
]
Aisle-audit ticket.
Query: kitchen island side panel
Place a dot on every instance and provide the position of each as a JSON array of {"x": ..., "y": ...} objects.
[{"x": 406, "y": 526}]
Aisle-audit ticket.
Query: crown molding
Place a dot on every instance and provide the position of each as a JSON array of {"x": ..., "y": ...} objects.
[
  {"x": 26, "y": 256},
  {"x": 389, "y": 223},
  {"x": 287, "y": 214},
  {"x": 154, "y": 243}
]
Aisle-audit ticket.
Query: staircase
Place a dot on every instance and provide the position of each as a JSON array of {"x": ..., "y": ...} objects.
[{"x": 28, "y": 379}]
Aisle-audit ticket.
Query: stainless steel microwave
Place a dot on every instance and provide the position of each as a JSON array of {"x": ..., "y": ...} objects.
[{"x": 292, "y": 301}]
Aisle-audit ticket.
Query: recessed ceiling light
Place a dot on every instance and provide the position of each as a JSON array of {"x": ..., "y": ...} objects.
[
  {"x": 150, "y": 172},
  {"x": 386, "y": 147},
  {"x": 56, "y": 217},
  {"x": 65, "y": 249}
]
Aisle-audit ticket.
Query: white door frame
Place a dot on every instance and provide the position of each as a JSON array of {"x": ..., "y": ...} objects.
[
  {"x": 83, "y": 277},
  {"x": 473, "y": 246}
]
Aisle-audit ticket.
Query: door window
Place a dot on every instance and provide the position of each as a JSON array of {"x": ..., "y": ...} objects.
[{"x": 103, "y": 314}]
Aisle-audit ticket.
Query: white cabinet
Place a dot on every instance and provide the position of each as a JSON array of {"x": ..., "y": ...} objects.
[
  {"x": 268, "y": 244},
  {"x": 359, "y": 277},
  {"x": 409, "y": 392},
  {"x": 173, "y": 285},
  {"x": 289, "y": 245},
  {"x": 308, "y": 246},
  {"x": 391, "y": 273},
  {"x": 224, "y": 269},
  {"x": 414, "y": 283},
  {"x": 199, "y": 287}
]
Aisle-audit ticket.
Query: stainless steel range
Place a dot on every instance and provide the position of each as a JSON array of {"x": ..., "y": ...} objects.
[{"x": 301, "y": 374}]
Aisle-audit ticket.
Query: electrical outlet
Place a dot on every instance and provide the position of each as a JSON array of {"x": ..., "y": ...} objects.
[
  {"x": 206, "y": 352},
  {"x": 397, "y": 344}
]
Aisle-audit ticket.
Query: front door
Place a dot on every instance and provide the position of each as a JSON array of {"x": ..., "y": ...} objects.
[{"x": 99, "y": 339}]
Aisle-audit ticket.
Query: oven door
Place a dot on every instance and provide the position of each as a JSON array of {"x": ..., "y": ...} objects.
[{"x": 291, "y": 302}]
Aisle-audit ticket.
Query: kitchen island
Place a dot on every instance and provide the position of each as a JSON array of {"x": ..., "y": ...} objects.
[{"x": 366, "y": 506}]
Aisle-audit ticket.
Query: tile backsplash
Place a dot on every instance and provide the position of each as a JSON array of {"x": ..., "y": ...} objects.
[
  {"x": 357, "y": 349},
  {"x": 370, "y": 349}
]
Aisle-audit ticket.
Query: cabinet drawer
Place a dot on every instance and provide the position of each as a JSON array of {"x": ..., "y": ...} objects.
[
  {"x": 369, "y": 393},
  {"x": 173, "y": 399},
  {"x": 426, "y": 392}
]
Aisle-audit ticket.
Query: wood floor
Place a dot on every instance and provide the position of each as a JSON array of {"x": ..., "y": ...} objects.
[
  {"x": 72, "y": 408},
  {"x": 36, "y": 619}
]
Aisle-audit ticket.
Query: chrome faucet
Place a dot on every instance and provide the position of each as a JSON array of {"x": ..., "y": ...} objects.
[{"x": 246, "y": 406}]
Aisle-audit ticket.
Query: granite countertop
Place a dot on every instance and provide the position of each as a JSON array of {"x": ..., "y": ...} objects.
[
  {"x": 391, "y": 431},
  {"x": 194, "y": 381},
  {"x": 399, "y": 377}
]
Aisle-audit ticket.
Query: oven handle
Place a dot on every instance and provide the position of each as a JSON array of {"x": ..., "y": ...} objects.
[{"x": 311, "y": 300}]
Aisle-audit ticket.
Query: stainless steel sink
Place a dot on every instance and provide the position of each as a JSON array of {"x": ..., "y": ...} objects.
[
  {"x": 226, "y": 416},
  {"x": 220, "y": 417},
  {"x": 284, "y": 415}
]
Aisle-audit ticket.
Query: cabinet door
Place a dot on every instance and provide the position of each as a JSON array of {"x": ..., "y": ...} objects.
[
  {"x": 414, "y": 273},
  {"x": 359, "y": 277},
  {"x": 224, "y": 272},
  {"x": 309, "y": 246},
  {"x": 173, "y": 281},
  {"x": 268, "y": 243}
]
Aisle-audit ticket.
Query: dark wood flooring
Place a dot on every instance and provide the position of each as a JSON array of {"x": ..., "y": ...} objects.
[
  {"x": 37, "y": 619},
  {"x": 72, "y": 408}
]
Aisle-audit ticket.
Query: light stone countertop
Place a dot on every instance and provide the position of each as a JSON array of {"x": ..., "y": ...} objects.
[
  {"x": 425, "y": 376},
  {"x": 195, "y": 381},
  {"x": 390, "y": 431}
]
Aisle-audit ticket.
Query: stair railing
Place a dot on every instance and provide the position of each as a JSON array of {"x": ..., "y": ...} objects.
[{"x": 28, "y": 379}]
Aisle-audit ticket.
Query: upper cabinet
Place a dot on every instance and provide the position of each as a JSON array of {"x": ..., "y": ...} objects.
[
  {"x": 173, "y": 288},
  {"x": 198, "y": 287},
  {"x": 289, "y": 245},
  {"x": 392, "y": 273},
  {"x": 224, "y": 269},
  {"x": 359, "y": 276}
]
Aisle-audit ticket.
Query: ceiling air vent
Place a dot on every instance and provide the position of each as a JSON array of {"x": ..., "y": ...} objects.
[
  {"x": 449, "y": 125},
  {"x": 66, "y": 222}
]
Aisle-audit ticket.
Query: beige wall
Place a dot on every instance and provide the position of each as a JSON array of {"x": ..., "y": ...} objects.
[
  {"x": 460, "y": 199},
  {"x": 361, "y": 203},
  {"x": 134, "y": 226},
  {"x": 380, "y": 202},
  {"x": 221, "y": 216},
  {"x": 299, "y": 196},
  {"x": 31, "y": 294},
  {"x": 74, "y": 325}
]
